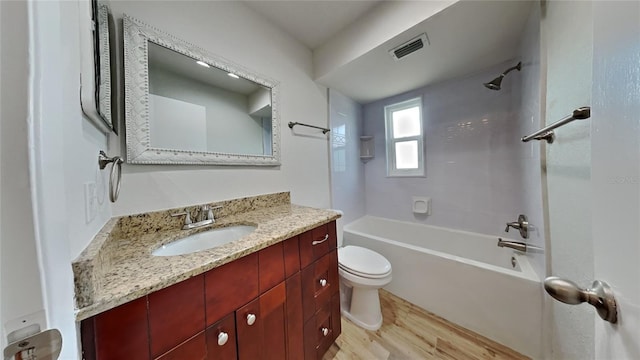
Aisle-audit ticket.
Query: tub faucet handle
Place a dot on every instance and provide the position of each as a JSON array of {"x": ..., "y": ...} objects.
[{"x": 522, "y": 225}]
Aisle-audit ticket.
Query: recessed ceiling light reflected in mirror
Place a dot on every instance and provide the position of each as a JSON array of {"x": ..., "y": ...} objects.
[
  {"x": 234, "y": 76},
  {"x": 202, "y": 63}
]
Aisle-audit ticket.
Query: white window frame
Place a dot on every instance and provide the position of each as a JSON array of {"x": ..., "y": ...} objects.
[{"x": 392, "y": 171}]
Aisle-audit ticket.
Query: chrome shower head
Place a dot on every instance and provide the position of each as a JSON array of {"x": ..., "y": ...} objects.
[{"x": 496, "y": 83}]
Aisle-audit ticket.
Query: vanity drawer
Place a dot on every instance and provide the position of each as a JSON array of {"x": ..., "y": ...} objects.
[
  {"x": 322, "y": 329},
  {"x": 168, "y": 329},
  {"x": 227, "y": 350},
  {"x": 317, "y": 242},
  {"x": 230, "y": 286},
  {"x": 319, "y": 283}
]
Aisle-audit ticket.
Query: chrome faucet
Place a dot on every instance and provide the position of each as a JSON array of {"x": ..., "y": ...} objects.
[
  {"x": 512, "y": 245},
  {"x": 522, "y": 225},
  {"x": 204, "y": 217}
]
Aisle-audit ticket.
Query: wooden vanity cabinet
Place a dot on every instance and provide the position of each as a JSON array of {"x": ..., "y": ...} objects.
[
  {"x": 120, "y": 333},
  {"x": 222, "y": 350},
  {"x": 272, "y": 304}
]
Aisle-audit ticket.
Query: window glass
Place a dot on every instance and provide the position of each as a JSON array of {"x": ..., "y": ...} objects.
[
  {"x": 406, "y": 122},
  {"x": 407, "y": 154}
]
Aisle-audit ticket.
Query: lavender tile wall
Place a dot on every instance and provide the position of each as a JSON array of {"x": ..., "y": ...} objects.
[
  {"x": 529, "y": 121},
  {"x": 347, "y": 171},
  {"x": 473, "y": 169}
]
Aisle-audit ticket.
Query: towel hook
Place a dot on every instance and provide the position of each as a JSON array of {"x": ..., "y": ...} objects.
[{"x": 103, "y": 160}]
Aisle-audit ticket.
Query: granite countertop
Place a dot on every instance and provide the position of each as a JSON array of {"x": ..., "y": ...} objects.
[{"x": 117, "y": 266}]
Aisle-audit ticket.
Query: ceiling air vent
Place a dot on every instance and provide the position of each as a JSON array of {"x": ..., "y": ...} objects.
[{"x": 409, "y": 47}]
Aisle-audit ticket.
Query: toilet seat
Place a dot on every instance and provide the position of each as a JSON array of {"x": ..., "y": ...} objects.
[{"x": 363, "y": 262}]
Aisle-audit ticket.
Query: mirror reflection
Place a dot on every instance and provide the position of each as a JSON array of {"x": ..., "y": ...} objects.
[{"x": 195, "y": 106}]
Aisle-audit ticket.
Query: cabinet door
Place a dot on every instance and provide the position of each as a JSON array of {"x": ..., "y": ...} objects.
[
  {"x": 291, "y": 256},
  {"x": 248, "y": 330},
  {"x": 261, "y": 326},
  {"x": 295, "y": 321},
  {"x": 192, "y": 349},
  {"x": 271, "y": 263},
  {"x": 122, "y": 332},
  {"x": 230, "y": 286},
  {"x": 221, "y": 339},
  {"x": 322, "y": 329},
  {"x": 176, "y": 314}
]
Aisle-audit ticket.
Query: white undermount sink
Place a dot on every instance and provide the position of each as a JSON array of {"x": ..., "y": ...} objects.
[{"x": 204, "y": 240}]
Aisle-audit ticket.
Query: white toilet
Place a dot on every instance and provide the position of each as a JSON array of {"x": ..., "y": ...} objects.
[{"x": 362, "y": 273}]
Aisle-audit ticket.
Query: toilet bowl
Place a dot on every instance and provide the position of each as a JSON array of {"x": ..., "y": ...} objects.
[{"x": 362, "y": 272}]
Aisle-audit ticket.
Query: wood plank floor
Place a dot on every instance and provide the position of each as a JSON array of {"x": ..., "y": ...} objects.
[{"x": 409, "y": 332}]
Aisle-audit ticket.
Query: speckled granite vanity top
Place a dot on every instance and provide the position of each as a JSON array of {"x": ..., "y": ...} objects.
[{"x": 117, "y": 266}]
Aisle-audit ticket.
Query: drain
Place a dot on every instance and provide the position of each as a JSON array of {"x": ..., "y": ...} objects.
[{"x": 513, "y": 261}]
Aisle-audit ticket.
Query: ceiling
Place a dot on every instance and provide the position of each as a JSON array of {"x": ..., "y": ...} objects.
[
  {"x": 312, "y": 22},
  {"x": 464, "y": 38}
]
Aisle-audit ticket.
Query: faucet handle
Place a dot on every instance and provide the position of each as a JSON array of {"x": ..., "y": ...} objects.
[
  {"x": 514, "y": 225},
  {"x": 210, "y": 211},
  {"x": 522, "y": 225},
  {"x": 187, "y": 216}
]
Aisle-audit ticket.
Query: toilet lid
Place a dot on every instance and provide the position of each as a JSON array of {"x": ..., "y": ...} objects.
[{"x": 363, "y": 262}]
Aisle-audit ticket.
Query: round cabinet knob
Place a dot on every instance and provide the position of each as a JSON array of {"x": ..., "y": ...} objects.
[
  {"x": 325, "y": 331},
  {"x": 251, "y": 319},
  {"x": 222, "y": 338},
  {"x": 323, "y": 282}
]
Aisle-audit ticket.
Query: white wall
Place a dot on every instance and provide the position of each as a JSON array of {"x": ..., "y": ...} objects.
[
  {"x": 473, "y": 174},
  {"x": 529, "y": 154},
  {"x": 221, "y": 28},
  {"x": 64, "y": 157},
  {"x": 347, "y": 171},
  {"x": 66, "y": 144},
  {"x": 20, "y": 285},
  {"x": 567, "y": 35}
]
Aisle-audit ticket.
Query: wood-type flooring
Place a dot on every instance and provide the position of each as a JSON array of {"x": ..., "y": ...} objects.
[{"x": 411, "y": 333}]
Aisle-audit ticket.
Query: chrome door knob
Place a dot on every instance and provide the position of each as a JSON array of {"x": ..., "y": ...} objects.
[
  {"x": 323, "y": 282},
  {"x": 251, "y": 319},
  {"x": 600, "y": 296},
  {"x": 325, "y": 331},
  {"x": 223, "y": 337}
]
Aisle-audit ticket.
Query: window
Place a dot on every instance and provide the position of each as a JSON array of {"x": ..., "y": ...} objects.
[{"x": 405, "y": 150}]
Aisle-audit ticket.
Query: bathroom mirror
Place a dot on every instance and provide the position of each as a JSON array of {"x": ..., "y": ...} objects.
[
  {"x": 95, "y": 75},
  {"x": 184, "y": 105}
]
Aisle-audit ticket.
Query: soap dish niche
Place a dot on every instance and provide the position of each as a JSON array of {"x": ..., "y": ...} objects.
[{"x": 366, "y": 148}]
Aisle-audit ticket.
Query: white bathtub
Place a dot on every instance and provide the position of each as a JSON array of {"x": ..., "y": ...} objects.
[{"x": 461, "y": 276}]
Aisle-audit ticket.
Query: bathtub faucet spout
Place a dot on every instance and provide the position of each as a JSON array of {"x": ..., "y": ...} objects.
[{"x": 512, "y": 245}]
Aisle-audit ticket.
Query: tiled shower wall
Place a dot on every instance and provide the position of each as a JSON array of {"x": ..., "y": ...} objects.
[
  {"x": 347, "y": 171},
  {"x": 478, "y": 172},
  {"x": 473, "y": 168}
]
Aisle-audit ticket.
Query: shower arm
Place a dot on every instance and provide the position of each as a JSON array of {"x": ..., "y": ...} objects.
[
  {"x": 546, "y": 133},
  {"x": 515, "y": 67}
]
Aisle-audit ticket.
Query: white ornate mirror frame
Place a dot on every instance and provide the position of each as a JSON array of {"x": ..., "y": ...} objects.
[{"x": 137, "y": 36}]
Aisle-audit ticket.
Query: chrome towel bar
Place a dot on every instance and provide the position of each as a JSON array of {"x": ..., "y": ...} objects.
[
  {"x": 546, "y": 133},
  {"x": 324, "y": 130}
]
